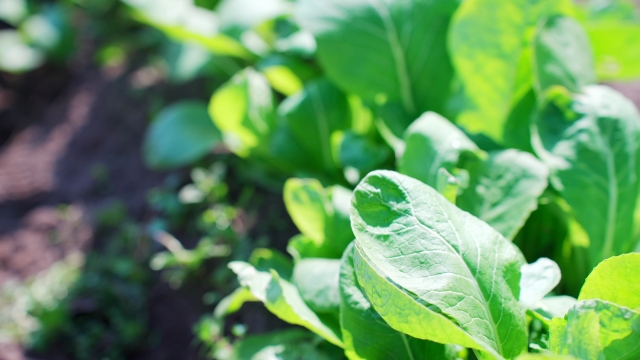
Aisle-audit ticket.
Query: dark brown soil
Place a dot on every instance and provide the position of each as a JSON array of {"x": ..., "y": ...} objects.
[{"x": 69, "y": 146}]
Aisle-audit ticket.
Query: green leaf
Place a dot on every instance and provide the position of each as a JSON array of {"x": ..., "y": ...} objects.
[
  {"x": 504, "y": 189},
  {"x": 264, "y": 259},
  {"x": 184, "y": 21},
  {"x": 616, "y": 280},
  {"x": 489, "y": 43},
  {"x": 180, "y": 135},
  {"x": 498, "y": 184},
  {"x": 283, "y": 299},
  {"x": 614, "y": 45},
  {"x": 591, "y": 143},
  {"x": 313, "y": 115},
  {"x": 434, "y": 271},
  {"x": 597, "y": 330},
  {"x": 292, "y": 344},
  {"x": 322, "y": 215},
  {"x": 431, "y": 143},
  {"x": 366, "y": 335},
  {"x": 317, "y": 281},
  {"x": 243, "y": 109},
  {"x": 562, "y": 55},
  {"x": 362, "y": 153},
  {"x": 538, "y": 279},
  {"x": 404, "y": 43},
  {"x": 545, "y": 357}
]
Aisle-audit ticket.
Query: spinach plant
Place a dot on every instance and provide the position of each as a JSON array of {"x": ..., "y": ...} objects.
[{"x": 491, "y": 114}]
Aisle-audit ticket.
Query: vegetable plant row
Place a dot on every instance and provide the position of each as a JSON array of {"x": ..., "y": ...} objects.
[{"x": 447, "y": 161}]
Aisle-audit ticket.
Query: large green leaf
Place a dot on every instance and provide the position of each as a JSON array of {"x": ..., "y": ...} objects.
[
  {"x": 284, "y": 300},
  {"x": 504, "y": 186},
  {"x": 243, "y": 109},
  {"x": 489, "y": 43},
  {"x": 504, "y": 189},
  {"x": 322, "y": 215},
  {"x": 313, "y": 115},
  {"x": 389, "y": 50},
  {"x": 434, "y": 271},
  {"x": 366, "y": 335},
  {"x": 617, "y": 280},
  {"x": 591, "y": 142},
  {"x": 597, "y": 330},
  {"x": 179, "y": 135},
  {"x": 562, "y": 55}
]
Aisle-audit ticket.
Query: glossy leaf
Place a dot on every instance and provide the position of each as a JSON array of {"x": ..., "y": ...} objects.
[
  {"x": 591, "y": 141},
  {"x": 15, "y": 55},
  {"x": 562, "y": 55},
  {"x": 538, "y": 279},
  {"x": 504, "y": 189},
  {"x": 317, "y": 281},
  {"x": 313, "y": 115},
  {"x": 431, "y": 143},
  {"x": 322, "y": 215},
  {"x": 283, "y": 299},
  {"x": 243, "y": 109},
  {"x": 404, "y": 43},
  {"x": 434, "y": 271},
  {"x": 597, "y": 329},
  {"x": 499, "y": 182},
  {"x": 489, "y": 43},
  {"x": 366, "y": 335},
  {"x": 180, "y": 135},
  {"x": 616, "y": 280}
]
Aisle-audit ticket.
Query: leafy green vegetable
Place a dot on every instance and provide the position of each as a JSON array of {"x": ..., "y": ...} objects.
[
  {"x": 313, "y": 115},
  {"x": 489, "y": 43},
  {"x": 243, "y": 109},
  {"x": 317, "y": 281},
  {"x": 403, "y": 42},
  {"x": 498, "y": 182},
  {"x": 365, "y": 334},
  {"x": 433, "y": 271},
  {"x": 617, "y": 280},
  {"x": 597, "y": 329},
  {"x": 180, "y": 135},
  {"x": 184, "y": 21},
  {"x": 283, "y": 299},
  {"x": 591, "y": 143},
  {"x": 562, "y": 56},
  {"x": 538, "y": 279},
  {"x": 322, "y": 215},
  {"x": 431, "y": 143}
]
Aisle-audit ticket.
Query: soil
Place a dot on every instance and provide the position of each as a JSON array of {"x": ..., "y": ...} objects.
[{"x": 69, "y": 146}]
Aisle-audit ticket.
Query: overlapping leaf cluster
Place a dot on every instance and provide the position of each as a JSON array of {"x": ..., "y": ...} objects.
[{"x": 506, "y": 152}]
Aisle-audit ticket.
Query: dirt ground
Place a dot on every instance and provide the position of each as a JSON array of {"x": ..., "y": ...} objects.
[{"x": 72, "y": 139}]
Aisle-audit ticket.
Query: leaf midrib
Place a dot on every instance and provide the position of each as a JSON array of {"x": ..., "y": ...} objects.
[
  {"x": 483, "y": 300},
  {"x": 398, "y": 55}
]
